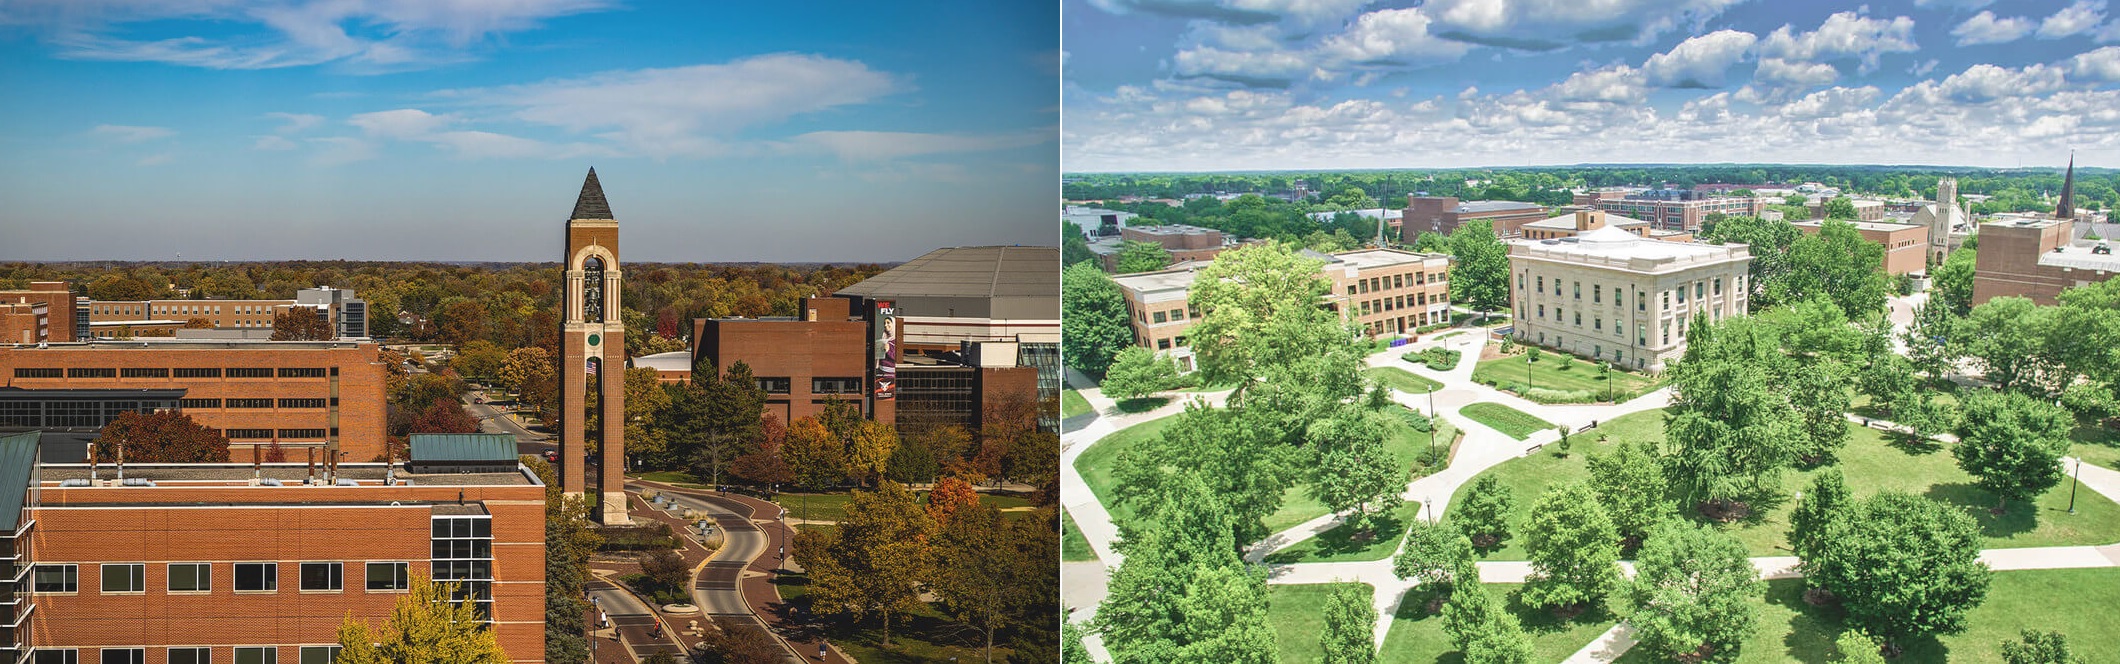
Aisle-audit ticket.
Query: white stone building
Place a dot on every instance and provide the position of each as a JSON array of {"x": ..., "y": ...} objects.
[{"x": 1613, "y": 296}]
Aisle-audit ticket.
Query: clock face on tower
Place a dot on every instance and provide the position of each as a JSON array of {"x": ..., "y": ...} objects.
[{"x": 595, "y": 339}]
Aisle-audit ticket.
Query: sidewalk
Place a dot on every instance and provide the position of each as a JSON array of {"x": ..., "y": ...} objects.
[{"x": 759, "y": 594}]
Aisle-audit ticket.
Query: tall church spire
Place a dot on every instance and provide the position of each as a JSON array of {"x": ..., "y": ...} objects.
[
  {"x": 591, "y": 203},
  {"x": 2067, "y": 208}
]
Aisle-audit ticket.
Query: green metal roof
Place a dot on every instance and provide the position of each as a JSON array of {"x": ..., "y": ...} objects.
[
  {"x": 18, "y": 461},
  {"x": 462, "y": 446}
]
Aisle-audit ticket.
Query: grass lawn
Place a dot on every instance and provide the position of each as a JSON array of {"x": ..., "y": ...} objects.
[
  {"x": 1516, "y": 423},
  {"x": 669, "y": 477},
  {"x": 2096, "y": 444},
  {"x": 1073, "y": 546},
  {"x": 1097, "y": 462},
  {"x": 1546, "y": 373},
  {"x": 1401, "y": 380},
  {"x": 1297, "y": 614},
  {"x": 1072, "y": 404},
  {"x": 1405, "y": 443},
  {"x": 822, "y": 506},
  {"x": 921, "y": 636},
  {"x": 1417, "y": 635},
  {"x": 1339, "y": 545},
  {"x": 1870, "y": 463},
  {"x": 2075, "y": 602}
]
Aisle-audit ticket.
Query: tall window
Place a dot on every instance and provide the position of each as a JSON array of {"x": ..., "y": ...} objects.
[
  {"x": 257, "y": 655},
  {"x": 593, "y": 290}
]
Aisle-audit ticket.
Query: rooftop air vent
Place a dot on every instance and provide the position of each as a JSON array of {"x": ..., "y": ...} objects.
[
  {"x": 269, "y": 481},
  {"x": 74, "y": 482}
]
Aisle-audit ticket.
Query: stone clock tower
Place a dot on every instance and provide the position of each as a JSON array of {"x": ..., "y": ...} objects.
[{"x": 593, "y": 348}]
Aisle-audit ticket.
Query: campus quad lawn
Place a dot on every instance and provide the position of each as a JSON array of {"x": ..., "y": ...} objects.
[
  {"x": 1401, "y": 380},
  {"x": 2075, "y": 602},
  {"x": 1407, "y": 444},
  {"x": 823, "y": 506},
  {"x": 2096, "y": 444},
  {"x": 1417, "y": 635},
  {"x": 921, "y": 636},
  {"x": 1297, "y": 614},
  {"x": 1072, "y": 404},
  {"x": 1338, "y": 544},
  {"x": 1547, "y": 373},
  {"x": 1870, "y": 464},
  {"x": 1515, "y": 423},
  {"x": 1073, "y": 546}
]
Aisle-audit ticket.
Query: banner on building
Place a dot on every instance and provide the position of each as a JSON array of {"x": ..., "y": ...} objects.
[{"x": 886, "y": 350}]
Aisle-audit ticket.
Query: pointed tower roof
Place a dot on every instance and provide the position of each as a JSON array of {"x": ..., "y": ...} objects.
[
  {"x": 2067, "y": 208},
  {"x": 591, "y": 203}
]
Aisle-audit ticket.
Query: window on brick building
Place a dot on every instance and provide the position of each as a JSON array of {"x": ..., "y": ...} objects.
[
  {"x": 257, "y": 577},
  {"x": 249, "y": 403},
  {"x": 1162, "y": 344},
  {"x": 249, "y": 372},
  {"x": 320, "y": 654},
  {"x": 301, "y": 403},
  {"x": 257, "y": 655},
  {"x": 190, "y": 577},
  {"x": 124, "y": 577},
  {"x": 54, "y": 578},
  {"x": 123, "y": 656},
  {"x": 143, "y": 372},
  {"x": 190, "y": 656},
  {"x": 323, "y": 576},
  {"x": 776, "y": 385},
  {"x": 39, "y": 372},
  {"x": 91, "y": 372},
  {"x": 187, "y": 372},
  {"x": 387, "y": 576},
  {"x": 56, "y": 656},
  {"x": 1161, "y": 317},
  {"x": 301, "y": 372}
]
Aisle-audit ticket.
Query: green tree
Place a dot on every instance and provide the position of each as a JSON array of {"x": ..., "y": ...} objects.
[
  {"x": 480, "y": 359},
  {"x": 1839, "y": 263},
  {"x": 1246, "y": 472},
  {"x": 1732, "y": 433},
  {"x": 1355, "y": 473},
  {"x": 1350, "y": 626},
  {"x": 1181, "y": 594},
  {"x": 1826, "y": 500},
  {"x": 2007, "y": 336},
  {"x": 1769, "y": 241},
  {"x": 1934, "y": 341},
  {"x": 1431, "y": 242},
  {"x": 1433, "y": 553},
  {"x": 1573, "y": 548},
  {"x": 1138, "y": 372},
  {"x": 1694, "y": 596},
  {"x": 1630, "y": 483},
  {"x": 1819, "y": 393},
  {"x": 979, "y": 573},
  {"x": 1840, "y": 207},
  {"x": 1484, "y": 514},
  {"x": 425, "y": 626},
  {"x": 1953, "y": 287},
  {"x": 814, "y": 457},
  {"x": 1479, "y": 278},
  {"x": 1259, "y": 312},
  {"x": 1480, "y": 628},
  {"x": 1093, "y": 319},
  {"x": 1901, "y": 565},
  {"x": 1855, "y": 647},
  {"x": 2039, "y": 648},
  {"x": 872, "y": 562},
  {"x": 1072, "y": 649},
  {"x": 2012, "y": 444},
  {"x": 1141, "y": 257}
]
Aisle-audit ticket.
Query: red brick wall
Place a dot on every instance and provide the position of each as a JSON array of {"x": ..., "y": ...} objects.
[
  {"x": 222, "y": 526},
  {"x": 361, "y": 397},
  {"x": 796, "y": 350}
]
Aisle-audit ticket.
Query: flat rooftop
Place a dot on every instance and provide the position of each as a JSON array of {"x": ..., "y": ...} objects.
[
  {"x": 1495, "y": 206},
  {"x": 1566, "y": 222},
  {"x": 1374, "y": 258},
  {"x": 195, "y": 344},
  {"x": 368, "y": 475},
  {"x": 1614, "y": 247},
  {"x": 1881, "y": 226},
  {"x": 1170, "y": 229},
  {"x": 2081, "y": 255},
  {"x": 1148, "y": 282}
]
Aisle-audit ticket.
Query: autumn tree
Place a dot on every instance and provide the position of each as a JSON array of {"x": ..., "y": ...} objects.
[
  {"x": 738, "y": 645},
  {"x": 445, "y": 415},
  {"x": 763, "y": 464},
  {"x": 481, "y": 359},
  {"x": 980, "y": 569},
  {"x": 426, "y": 626},
  {"x": 950, "y": 496},
  {"x": 814, "y": 457},
  {"x": 298, "y": 323},
  {"x": 872, "y": 562},
  {"x": 198, "y": 324},
  {"x": 160, "y": 437},
  {"x": 530, "y": 372}
]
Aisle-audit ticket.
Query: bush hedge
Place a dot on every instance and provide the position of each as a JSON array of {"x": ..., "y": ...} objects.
[{"x": 1437, "y": 359}]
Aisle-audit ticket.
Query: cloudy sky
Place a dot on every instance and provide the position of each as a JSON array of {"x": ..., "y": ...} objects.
[
  {"x": 461, "y": 129},
  {"x": 1186, "y": 85}
]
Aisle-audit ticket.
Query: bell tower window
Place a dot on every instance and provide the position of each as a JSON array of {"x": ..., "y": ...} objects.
[{"x": 593, "y": 289}]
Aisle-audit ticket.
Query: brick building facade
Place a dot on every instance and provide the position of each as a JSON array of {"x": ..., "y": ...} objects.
[
  {"x": 255, "y": 392},
  {"x": 1443, "y": 214},
  {"x": 2037, "y": 258},
  {"x": 800, "y": 362},
  {"x": 62, "y": 319},
  {"x": 204, "y": 559},
  {"x": 1905, "y": 245}
]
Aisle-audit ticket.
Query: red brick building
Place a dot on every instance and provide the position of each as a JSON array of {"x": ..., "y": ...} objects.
[
  {"x": 800, "y": 362},
  {"x": 2036, "y": 258},
  {"x": 58, "y": 303},
  {"x": 296, "y": 393},
  {"x": 1905, "y": 245},
  {"x": 1443, "y": 214},
  {"x": 224, "y": 563}
]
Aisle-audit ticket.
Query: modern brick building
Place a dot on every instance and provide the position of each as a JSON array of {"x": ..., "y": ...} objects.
[
  {"x": 1389, "y": 291},
  {"x": 297, "y": 393},
  {"x": 1905, "y": 245},
  {"x": 1614, "y": 296},
  {"x": 2037, "y": 258},
  {"x": 344, "y": 313},
  {"x": 24, "y": 322},
  {"x": 799, "y": 362},
  {"x": 1576, "y": 222},
  {"x": 1443, "y": 214},
  {"x": 1184, "y": 242},
  {"x": 1671, "y": 209},
  {"x": 62, "y": 320},
  {"x": 1385, "y": 291},
  {"x": 239, "y": 563}
]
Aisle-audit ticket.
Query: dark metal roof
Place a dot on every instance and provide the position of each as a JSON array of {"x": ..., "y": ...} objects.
[
  {"x": 25, "y": 394},
  {"x": 462, "y": 447},
  {"x": 591, "y": 204},
  {"x": 18, "y": 461},
  {"x": 975, "y": 282},
  {"x": 2067, "y": 207}
]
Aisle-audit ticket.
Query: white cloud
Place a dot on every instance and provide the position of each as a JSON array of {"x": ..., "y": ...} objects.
[
  {"x": 1952, "y": 4},
  {"x": 1985, "y": 28},
  {"x": 1983, "y": 83},
  {"x": 1547, "y": 24},
  {"x": 2099, "y": 65},
  {"x": 286, "y": 33},
  {"x": 1392, "y": 36},
  {"x": 1846, "y": 34},
  {"x": 1270, "y": 68},
  {"x": 1616, "y": 84},
  {"x": 402, "y": 123},
  {"x": 2072, "y": 20},
  {"x": 1830, "y": 102},
  {"x": 273, "y": 143},
  {"x": 131, "y": 133},
  {"x": 890, "y": 145},
  {"x": 294, "y": 123},
  {"x": 679, "y": 111},
  {"x": 1701, "y": 61}
]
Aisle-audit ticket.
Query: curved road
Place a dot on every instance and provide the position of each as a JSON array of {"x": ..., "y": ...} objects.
[{"x": 718, "y": 590}]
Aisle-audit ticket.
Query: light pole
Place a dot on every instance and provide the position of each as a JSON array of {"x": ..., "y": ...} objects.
[{"x": 2074, "y": 480}]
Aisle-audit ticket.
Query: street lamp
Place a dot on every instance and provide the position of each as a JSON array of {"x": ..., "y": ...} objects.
[{"x": 2074, "y": 480}]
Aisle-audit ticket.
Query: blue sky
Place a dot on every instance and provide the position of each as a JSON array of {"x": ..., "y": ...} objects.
[
  {"x": 461, "y": 129},
  {"x": 1170, "y": 85}
]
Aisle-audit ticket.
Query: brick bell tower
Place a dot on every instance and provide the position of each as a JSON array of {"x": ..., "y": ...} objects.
[{"x": 593, "y": 348}]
